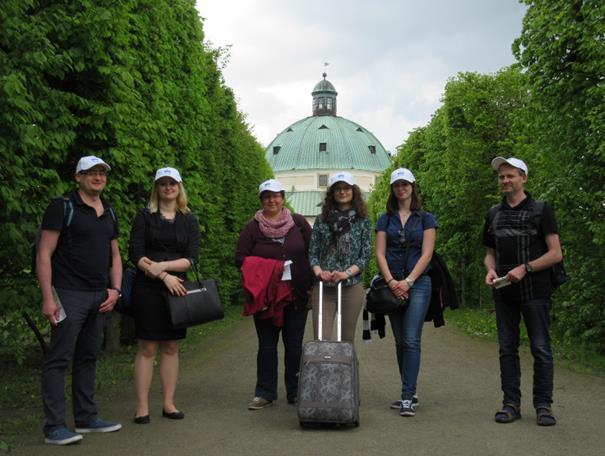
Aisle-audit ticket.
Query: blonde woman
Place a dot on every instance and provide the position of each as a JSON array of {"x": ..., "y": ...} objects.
[{"x": 164, "y": 244}]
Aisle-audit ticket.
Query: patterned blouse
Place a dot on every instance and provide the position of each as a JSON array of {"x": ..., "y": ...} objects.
[{"x": 351, "y": 248}]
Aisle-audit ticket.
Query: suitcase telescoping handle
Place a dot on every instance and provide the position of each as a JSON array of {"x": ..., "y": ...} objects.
[{"x": 338, "y": 312}]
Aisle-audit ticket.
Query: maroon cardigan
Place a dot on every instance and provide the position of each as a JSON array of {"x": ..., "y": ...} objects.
[{"x": 252, "y": 242}]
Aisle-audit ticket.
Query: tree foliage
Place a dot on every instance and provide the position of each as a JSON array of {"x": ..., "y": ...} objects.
[
  {"x": 549, "y": 110},
  {"x": 562, "y": 49},
  {"x": 133, "y": 83}
]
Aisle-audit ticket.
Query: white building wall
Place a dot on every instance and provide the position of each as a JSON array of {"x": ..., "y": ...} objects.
[{"x": 305, "y": 180}]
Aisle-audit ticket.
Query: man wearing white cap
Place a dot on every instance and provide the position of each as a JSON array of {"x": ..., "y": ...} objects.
[
  {"x": 80, "y": 271},
  {"x": 522, "y": 244}
]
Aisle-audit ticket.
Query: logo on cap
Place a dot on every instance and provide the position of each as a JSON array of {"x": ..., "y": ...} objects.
[{"x": 402, "y": 174}]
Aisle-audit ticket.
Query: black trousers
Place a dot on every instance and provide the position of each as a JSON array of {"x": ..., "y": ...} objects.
[
  {"x": 536, "y": 315},
  {"x": 77, "y": 338},
  {"x": 293, "y": 331}
]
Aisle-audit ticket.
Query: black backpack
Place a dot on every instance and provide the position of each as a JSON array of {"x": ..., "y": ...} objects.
[{"x": 558, "y": 276}]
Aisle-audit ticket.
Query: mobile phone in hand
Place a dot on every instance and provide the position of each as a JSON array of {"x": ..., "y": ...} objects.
[{"x": 501, "y": 282}]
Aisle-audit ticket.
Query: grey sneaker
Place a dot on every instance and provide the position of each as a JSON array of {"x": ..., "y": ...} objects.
[
  {"x": 395, "y": 405},
  {"x": 62, "y": 436},
  {"x": 407, "y": 409},
  {"x": 98, "y": 425},
  {"x": 259, "y": 403}
]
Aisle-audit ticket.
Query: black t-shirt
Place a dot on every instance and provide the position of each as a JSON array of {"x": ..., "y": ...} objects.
[
  {"x": 82, "y": 258},
  {"x": 518, "y": 236}
]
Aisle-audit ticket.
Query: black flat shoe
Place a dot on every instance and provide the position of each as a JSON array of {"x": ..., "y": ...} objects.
[
  {"x": 173, "y": 415},
  {"x": 142, "y": 419}
]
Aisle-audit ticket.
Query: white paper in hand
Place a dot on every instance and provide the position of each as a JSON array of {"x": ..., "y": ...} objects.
[
  {"x": 62, "y": 314},
  {"x": 287, "y": 275}
]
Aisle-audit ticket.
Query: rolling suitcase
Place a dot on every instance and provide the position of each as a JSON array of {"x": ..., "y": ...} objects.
[{"x": 328, "y": 384}]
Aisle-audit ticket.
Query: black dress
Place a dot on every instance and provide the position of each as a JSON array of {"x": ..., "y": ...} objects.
[{"x": 159, "y": 239}]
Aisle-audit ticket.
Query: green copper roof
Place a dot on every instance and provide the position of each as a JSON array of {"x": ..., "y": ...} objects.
[
  {"x": 348, "y": 145},
  {"x": 306, "y": 203},
  {"x": 324, "y": 86}
]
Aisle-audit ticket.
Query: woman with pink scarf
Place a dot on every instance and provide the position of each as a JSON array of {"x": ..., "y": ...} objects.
[{"x": 274, "y": 233}]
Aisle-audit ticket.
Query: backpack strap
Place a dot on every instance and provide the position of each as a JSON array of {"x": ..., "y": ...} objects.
[
  {"x": 68, "y": 211},
  {"x": 491, "y": 215},
  {"x": 537, "y": 210},
  {"x": 113, "y": 214}
]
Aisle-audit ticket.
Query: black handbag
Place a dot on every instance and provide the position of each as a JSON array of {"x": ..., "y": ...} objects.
[
  {"x": 201, "y": 304},
  {"x": 380, "y": 298}
]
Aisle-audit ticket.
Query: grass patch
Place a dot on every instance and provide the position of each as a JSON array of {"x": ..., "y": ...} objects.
[
  {"x": 481, "y": 322},
  {"x": 20, "y": 402}
]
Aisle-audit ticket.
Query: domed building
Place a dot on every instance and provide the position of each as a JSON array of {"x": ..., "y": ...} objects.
[{"x": 306, "y": 153}]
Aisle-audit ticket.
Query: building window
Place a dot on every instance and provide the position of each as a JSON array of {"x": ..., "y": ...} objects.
[
  {"x": 372, "y": 149},
  {"x": 276, "y": 150},
  {"x": 323, "y": 180},
  {"x": 322, "y": 147},
  {"x": 359, "y": 129},
  {"x": 323, "y": 127}
]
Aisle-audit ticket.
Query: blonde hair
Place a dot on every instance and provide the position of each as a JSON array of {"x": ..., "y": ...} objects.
[{"x": 181, "y": 200}]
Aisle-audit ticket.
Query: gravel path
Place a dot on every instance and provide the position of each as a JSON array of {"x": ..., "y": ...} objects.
[{"x": 458, "y": 389}]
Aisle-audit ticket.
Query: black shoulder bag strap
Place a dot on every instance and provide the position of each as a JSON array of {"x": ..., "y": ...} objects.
[{"x": 300, "y": 228}]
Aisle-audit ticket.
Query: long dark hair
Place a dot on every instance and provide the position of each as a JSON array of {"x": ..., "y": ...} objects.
[
  {"x": 393, "y": 203},
  {"x": 357, "y": 202}
]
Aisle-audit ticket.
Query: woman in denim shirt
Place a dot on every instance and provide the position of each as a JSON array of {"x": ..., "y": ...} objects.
[
  {"x": 340, "y": 248},
  {"x": 406, "y": 223}
]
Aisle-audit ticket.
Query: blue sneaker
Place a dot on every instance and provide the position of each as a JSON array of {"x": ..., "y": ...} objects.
[
  {"x": 397, "y": 404},
  {"x": 62, "y": 436},
  {"x": 407, "y": 409},
  {"x": 98, "y": 425}
]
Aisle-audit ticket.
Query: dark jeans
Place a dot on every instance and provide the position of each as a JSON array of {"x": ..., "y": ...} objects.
[
  {"x": 79, "y": 336},
  {"x": 407, "y": 330},
  {"x": 293, "y": 331},
  {"x": 536, "y": 314}
]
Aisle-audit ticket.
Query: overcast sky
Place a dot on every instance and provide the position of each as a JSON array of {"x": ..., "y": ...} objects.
[{"x": 389, "y": 60}]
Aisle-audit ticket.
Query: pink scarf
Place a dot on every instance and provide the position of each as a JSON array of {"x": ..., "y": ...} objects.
[{"x": 276, "y": 228}]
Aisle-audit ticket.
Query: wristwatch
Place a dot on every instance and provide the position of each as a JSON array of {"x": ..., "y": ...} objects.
[
  {"x": 119, "y": 292},
  {"x": 528, "y": 268},
  {"x": 410, "y": 282},
  {"x": 349, "y": 272}
]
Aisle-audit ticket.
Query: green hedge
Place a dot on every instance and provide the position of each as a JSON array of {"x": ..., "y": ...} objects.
[{"x": 133, "y": 83}]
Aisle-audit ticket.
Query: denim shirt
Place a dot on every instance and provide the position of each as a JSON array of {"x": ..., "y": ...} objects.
[
  {"x": 352, "y": 248},
  {"x": 413, "y": 231}
]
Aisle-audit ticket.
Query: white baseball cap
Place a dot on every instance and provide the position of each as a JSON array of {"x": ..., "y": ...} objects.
[
  {"x": 512, "y": 161},
  {"x": 173, "y": 173},
  {"x": 85, "y": 163},
  {"x": 402, "y": 174},
  {"x": 342, "y": 176},
  {"x": 271, "y": 185}
]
